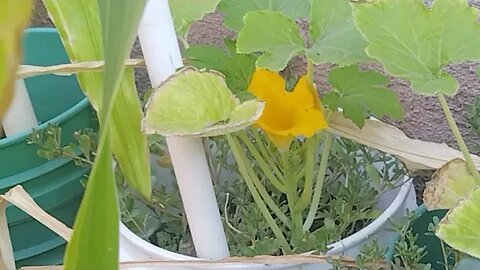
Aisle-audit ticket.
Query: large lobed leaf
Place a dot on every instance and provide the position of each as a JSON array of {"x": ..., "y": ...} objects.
[
  {"x": 335, "y": 36},
  {"x": 237, "y": 68},
  {"x": 197, "y": 103},
  {"x": 235, "y": 10},
  {"x": 95, "y": 240},
  {"x": 416, "y": 42},
  {"x": 185, "y": 12},
  {"x": 14, "y": 17},
  {"x": 360, "y": 94},
  {"x": 80, "y": 30},
  {"x": 459, "y": 228},
  {"x": 273, "y": 34},
  {"x": 335, "y": 39}
]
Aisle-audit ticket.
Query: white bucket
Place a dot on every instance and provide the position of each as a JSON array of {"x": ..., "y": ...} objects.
[{"x": 394, "y": 204}]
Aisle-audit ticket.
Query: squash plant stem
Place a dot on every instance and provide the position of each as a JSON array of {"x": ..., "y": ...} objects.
[
  {"x": 267, "y": 155},
  {"x": 312, "y": 212},
  {"x": 258, "y": 184},
  {"x": 262, "y": 163},
  {"x": 243, "y": 167},
  {"x": 458, "y": 136}
]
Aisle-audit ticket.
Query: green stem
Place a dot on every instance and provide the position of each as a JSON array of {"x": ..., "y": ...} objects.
[
  {"x": 444, "y": 253},
  {"x": 291, "y": 185},
  {"x": 268, "y": 155},
  {"x": 319, "y": 184},
  {"x": 266, "y": 197},
  {"x": 306, "y": 195},
  {"x": 458, "y": 136},
  {"x": 243, "y": 167},
  {"x": 310, "y": 70},
  {"x": 267, "y": 170}
]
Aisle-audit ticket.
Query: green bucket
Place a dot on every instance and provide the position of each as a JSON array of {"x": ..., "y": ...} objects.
[
  {"x": 54, "y": 185},
  {"x": 425, "y": 239}
]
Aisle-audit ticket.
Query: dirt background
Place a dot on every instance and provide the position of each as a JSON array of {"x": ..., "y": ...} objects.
[{"x": 423, "y": 116}]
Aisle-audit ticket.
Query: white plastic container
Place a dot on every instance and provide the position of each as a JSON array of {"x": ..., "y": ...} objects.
[{"x": 394, "y": 204}]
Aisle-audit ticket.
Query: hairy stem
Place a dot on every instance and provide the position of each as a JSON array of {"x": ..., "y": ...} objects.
[
  {"x": 291, "y": 185},
  {"x": 306, "y": 195},
  {"x": 310, "y": 69},
  {"x": 458, "y": 136},
  {"x": 243, "y": 167},
  {"x": 319, "y": 184},
  {"x": 267, "y": 170},
  {"x": 268, "y": 155}
]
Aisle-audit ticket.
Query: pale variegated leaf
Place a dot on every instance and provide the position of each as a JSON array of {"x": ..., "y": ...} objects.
[{"x": 197, "y": 103}]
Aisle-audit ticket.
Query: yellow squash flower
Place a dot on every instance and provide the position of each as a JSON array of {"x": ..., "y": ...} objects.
[{"x": 286, "y": 114}]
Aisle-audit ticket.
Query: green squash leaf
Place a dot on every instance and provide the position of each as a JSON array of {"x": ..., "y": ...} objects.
[
  {"x": 95, "y": 240},
  {"x": 235, "y": 10},
  {"x": 14, "y": 17},
  {"x": 78, "y": 23},
  {"x": 274, "y": 35},
  {"x": 459, "y": 228},
  {"x": 185, "y": 12},
  {"x": 335, "y": 37},
  {"x": 237, "y": 68},
  {"x": 449, "y": 185},
  {"x": 416, "y": 43},
  {"x": 197, "y": 103},
  {"x": 361, "y": 94}
]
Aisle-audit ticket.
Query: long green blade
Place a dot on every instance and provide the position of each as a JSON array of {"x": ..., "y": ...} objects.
[
  {"x": 95, "y": 240},
  {"x": 14, "y": 16},
  {"x": 94, "y": 243},
  {"x": 78, "y": 22}
]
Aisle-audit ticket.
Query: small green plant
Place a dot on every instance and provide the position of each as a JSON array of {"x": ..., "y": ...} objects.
[{"x": 49, "y": 141}]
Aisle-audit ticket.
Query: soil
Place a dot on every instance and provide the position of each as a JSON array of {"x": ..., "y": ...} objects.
[{"x": 423, "y": 116}]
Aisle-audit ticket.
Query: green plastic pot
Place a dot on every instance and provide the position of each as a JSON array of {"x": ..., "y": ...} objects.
[
  {"x": 428, "y": 240},
  {"x": 420, "y": 227},
  {"x": 55, "y": 185}
]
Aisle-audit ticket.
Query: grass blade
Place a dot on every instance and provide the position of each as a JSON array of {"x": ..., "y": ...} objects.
[
  {"x": 78, "y": 22},
  {"x": 95, "y": 239}
]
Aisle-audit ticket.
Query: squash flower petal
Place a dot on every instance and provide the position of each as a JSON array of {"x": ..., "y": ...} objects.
[{"x": 286, "y": 114}]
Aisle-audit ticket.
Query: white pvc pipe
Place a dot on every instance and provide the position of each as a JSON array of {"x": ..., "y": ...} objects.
[
  {"x": 19, "y": 116},
  {"x": 162, "y": 56}
]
